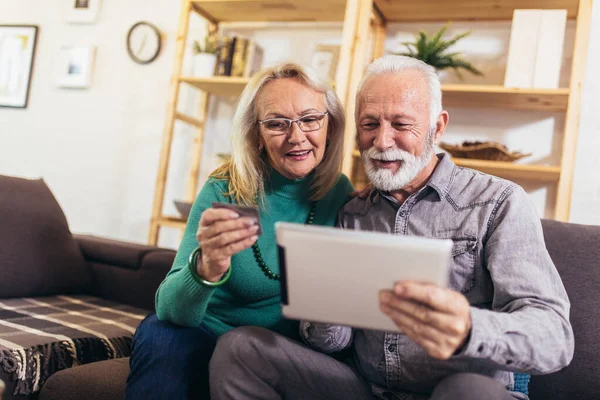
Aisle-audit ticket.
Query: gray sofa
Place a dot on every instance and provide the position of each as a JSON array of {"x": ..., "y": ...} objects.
[
  {"x": 130, "y": 274},
  {"x": 42, "y": 263}
]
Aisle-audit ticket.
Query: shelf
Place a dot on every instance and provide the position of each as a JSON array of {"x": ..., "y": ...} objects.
[
  {"x": 270, "y": 10},
  {"x": 489, "y": 96},
  {"x": 172, "y": 222},
  {"x": 507, "y": 170},
  {"x": 218, "y": 85},
  {"x": 465, "y": 10},
  {"x": 506, "y": 98},
  {"x": 393, "y": 11}
]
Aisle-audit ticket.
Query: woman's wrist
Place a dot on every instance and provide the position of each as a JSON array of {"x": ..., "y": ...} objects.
[
  {"x": 194, "y": 263},
  {"x": 200, "y": 266}
]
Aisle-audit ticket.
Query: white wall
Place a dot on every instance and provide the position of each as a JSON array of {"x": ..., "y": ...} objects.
[
  {"x": 98, "y": 149},
  {"x": 585, "y": 203}
]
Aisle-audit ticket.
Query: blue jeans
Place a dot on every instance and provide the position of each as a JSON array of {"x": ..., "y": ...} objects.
[{"x": 169, "y": 361}]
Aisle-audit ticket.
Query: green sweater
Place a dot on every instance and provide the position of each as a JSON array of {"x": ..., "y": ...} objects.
[{"x": 248, "y": 297}]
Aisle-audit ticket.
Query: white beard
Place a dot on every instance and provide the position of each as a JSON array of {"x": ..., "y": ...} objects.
[{"x": 387, "y": 181}]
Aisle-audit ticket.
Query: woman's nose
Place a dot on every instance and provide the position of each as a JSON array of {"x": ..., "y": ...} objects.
[{"x": 296, "y": 135}]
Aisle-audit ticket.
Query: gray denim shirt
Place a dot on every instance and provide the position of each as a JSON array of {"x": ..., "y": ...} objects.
[{"x": 519, "y": 307}]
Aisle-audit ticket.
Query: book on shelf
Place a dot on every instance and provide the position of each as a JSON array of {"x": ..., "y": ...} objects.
[
  {"x": 524, "y": 35},
  {"x": 225, "y": 56},
  {"x": 550, "y": 49},
  {"x": 535, "y": 49},
  {"x": 254, "y": 59},
  {"x": 239, "y": 57}
]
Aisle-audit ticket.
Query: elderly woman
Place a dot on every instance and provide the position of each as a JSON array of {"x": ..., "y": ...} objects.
[{"x": 286, "y": 156}]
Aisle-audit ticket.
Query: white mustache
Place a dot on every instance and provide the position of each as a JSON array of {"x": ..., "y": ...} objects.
[{"x": 388, "y": 155}]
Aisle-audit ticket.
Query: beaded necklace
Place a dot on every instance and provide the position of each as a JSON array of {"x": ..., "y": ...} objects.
[{"x": 258, "y": 256}]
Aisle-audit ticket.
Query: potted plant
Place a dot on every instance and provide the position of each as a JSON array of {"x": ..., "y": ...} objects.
[
  {"x": 434, "y": 51},
  {"x": 205, "y": 55}
]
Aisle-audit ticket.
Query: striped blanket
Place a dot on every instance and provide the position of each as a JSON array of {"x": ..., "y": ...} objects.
[{"x": 43, "y": 335}]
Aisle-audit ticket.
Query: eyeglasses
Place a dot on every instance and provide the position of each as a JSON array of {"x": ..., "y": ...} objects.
[{"x": 306, "y": 123}]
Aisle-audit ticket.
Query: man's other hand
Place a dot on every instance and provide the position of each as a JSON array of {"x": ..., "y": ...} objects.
[{"x": 435, "y": 318}]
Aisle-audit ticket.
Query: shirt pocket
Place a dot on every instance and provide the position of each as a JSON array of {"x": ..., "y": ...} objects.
[{"x": 462, "y": 266}]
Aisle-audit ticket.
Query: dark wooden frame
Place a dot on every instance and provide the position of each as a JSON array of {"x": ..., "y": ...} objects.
[{"x": 35, "y": 38}]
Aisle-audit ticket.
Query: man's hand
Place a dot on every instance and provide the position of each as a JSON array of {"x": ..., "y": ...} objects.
[{"x": 435, "y": 318}]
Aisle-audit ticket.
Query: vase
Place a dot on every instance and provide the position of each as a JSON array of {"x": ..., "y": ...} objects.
[{"x": 204, "y": 65}]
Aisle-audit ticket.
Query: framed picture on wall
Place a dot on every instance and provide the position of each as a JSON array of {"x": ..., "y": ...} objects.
[
  {"x": 82, "y": 11},
  {"x": 324, "y": 61},
  {"x": 74, "y": 66},
  {"x": 17, "y": 52}
]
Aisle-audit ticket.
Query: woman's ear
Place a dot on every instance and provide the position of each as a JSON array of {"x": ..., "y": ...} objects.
[{"x": 261, "y": 145}]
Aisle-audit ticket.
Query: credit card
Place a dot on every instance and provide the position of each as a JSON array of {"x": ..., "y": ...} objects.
[{"x": 242, "y": 211}]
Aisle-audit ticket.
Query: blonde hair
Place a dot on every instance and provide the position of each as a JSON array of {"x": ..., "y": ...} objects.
[{"x": 246, "y": 170}]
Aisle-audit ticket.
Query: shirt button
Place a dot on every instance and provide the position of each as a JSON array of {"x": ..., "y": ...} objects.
[
  {"x": 391, "y": 348},
  {"x": 508, "y": 362},
  {"x": 403, "y": 214},
  {"x": 480, "y": 348}
]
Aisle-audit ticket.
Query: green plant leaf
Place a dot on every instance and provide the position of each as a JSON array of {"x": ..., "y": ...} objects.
[
  {"x": 452, "y": 41},
  {"x": 435, "y": 42},
  {"x": 432, "y": 51}
]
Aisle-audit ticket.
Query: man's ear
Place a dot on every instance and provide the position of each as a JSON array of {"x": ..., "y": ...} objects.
[{"x": 442, "y": 123}]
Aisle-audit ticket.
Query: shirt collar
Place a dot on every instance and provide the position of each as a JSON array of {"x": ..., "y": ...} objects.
[{"x": 443, "y": 175}]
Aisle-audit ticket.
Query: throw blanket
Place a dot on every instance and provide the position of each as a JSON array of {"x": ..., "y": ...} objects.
[{"x": 43, "y": 335}]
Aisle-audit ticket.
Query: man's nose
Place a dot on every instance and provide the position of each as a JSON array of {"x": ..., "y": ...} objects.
[
  {"x": 296, "y": 135},
  {"x": 384, "y": 137}
]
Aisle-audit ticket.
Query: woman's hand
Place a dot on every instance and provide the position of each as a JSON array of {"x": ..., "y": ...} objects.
[{"x": 221, "y": 234}]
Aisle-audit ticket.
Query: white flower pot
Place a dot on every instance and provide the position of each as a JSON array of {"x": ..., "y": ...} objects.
[{"x": 204, "y": 65}]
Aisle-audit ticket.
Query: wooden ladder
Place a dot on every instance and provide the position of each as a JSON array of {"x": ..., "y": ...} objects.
[{"x": 158, "y": 218}]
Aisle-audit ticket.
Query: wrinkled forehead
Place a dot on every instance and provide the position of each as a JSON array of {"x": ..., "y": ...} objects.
[
  {"x": 289, "y": 95},
  {"x": 405, "y": 89}
]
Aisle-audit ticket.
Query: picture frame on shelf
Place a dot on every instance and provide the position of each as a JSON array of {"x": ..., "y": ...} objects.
[
  {"x": 83, "y": 11},
  {"x": 324, "y": 61},
  {"x": 75, "y": 66},
  {"x": 17, "y": 54}
]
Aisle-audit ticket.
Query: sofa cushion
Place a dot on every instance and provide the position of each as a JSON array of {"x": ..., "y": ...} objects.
[
  {"x": 38, "y": 255},
  {"x": 575, "y": 251},
  {"x": 41, "y": 336},
  {"x": 98, "y": 381}
]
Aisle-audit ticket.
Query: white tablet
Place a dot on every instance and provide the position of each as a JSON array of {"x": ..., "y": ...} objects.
[{"x": 334, "y": 276}]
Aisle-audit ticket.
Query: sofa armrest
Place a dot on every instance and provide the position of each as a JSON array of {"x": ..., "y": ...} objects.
[
  {"x": 113, "y": 252},
  {"x": 125, "y": 272}
]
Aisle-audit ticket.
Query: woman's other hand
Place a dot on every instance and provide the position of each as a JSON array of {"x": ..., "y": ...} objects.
[{"x": 221, "y": 234}]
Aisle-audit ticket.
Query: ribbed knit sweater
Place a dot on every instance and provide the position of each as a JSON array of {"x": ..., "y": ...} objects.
[{"x": 248, "y": 297}]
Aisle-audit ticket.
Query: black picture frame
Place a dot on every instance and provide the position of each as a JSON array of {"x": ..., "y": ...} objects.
[{"x": 25, "y": 94}]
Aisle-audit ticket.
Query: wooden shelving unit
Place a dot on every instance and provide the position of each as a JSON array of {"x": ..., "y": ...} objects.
[
  {"x": 465, "y": 10},
  {"x": 224, "y": 11},
  {"x": 368, "y": 19},
  {"x": 567, "y": 100},
  {"x": 218, "y": 85},
  {"x": 506, "y": 98}
]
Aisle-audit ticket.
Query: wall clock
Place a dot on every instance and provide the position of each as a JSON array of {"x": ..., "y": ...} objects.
[{"x": 144, "y": 42}]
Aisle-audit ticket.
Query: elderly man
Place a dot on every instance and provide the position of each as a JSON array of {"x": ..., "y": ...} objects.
[{"x": 505, "y": 310}]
